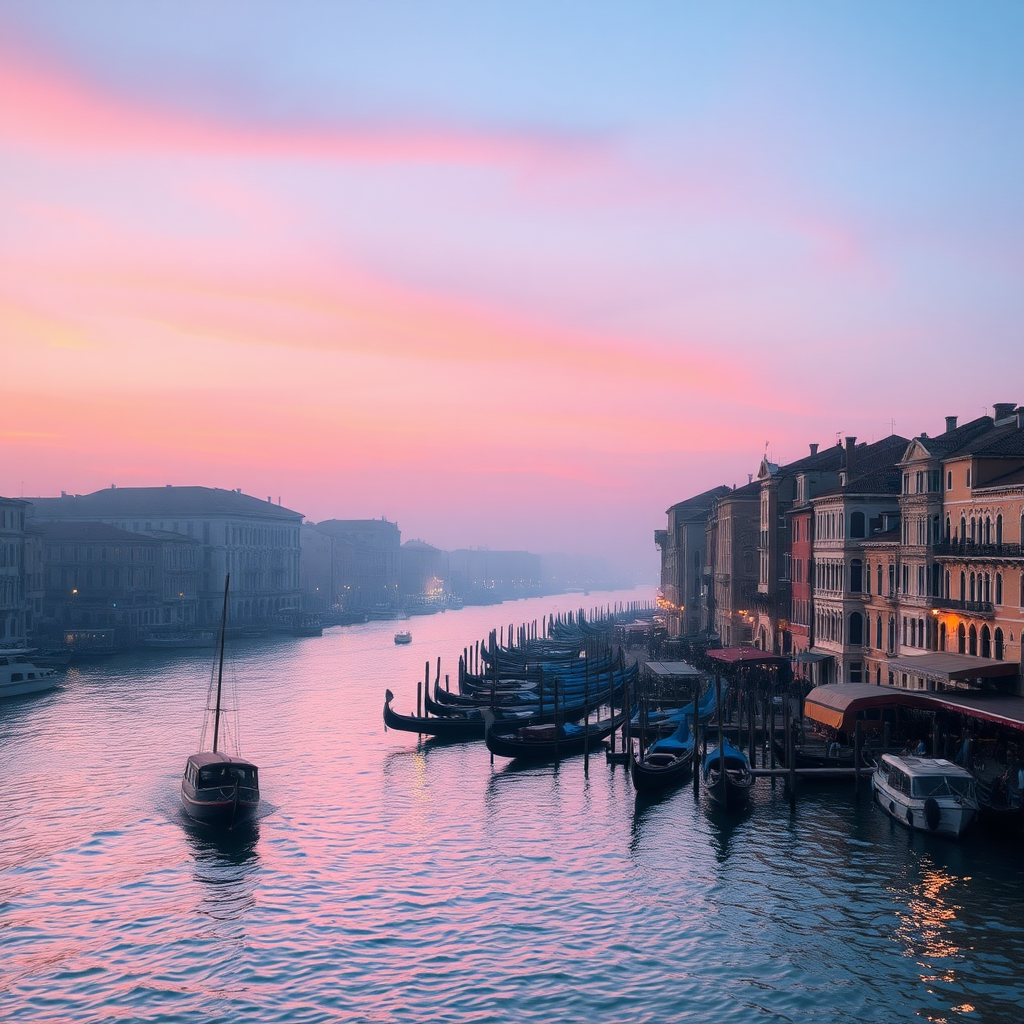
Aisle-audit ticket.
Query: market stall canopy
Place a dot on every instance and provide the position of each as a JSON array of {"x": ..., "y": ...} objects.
[
  {"x": 747, "y": 656},
  {"x": 673, "y": 670},
  {"x": 837, "y": 704},
  {"x": 950, "y": 669},
  {"x": 812, "y": 658}
]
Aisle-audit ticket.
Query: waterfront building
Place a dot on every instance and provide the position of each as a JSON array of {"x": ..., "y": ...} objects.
[
  {"x": 845, "y": 519},
  {"x": 14, "y": 606},
  {"x": 735, "y": 520},
  {"x": 423, "y": 582},
  {"x": 256, "y": 541},
  {"x": 683, "y": 547},
  {"x": 780, "y": 488},
  {"x": 363, "y": 568}
]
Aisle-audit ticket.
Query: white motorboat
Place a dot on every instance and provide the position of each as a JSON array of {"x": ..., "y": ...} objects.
[
  {"x": 403, "y": 637},
  {"x": 19, "y": 676},
  {"x": 929, "y": 794}
]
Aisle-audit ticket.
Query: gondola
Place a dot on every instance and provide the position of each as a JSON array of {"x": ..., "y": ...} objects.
[
  {"x": 656, "y": 771},
  {"x": 452, "y": 728},
  {"x": 731, "y": 787},
  {"x": 547, "y": 742}
]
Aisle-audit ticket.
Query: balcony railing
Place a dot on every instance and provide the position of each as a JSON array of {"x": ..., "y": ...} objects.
[
  {"x": 968, "y": 549},
  {"x": 971, "y": 607}
]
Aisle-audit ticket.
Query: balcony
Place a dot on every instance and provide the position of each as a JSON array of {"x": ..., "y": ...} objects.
[
  {"x": 968, "y": 549},
  {"x": 984, "y": 608}
]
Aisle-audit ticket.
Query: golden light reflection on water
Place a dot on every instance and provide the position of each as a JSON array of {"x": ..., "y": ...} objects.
[{"x": 925, "y": 929}]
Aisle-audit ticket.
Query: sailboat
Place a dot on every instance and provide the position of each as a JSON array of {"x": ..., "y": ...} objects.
[{"x": 217, "y": 788}]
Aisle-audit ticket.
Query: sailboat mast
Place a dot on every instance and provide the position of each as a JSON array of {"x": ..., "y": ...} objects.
[{"x": 220, "y": 661}]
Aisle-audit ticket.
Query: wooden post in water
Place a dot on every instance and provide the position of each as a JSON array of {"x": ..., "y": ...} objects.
[
  {"x": 752, "y": 726},
  {"x": 697, "y": 762},
  {"x": 419, "y": 698},
  {"x": 426, "y": 686},
  {"x": 791, "y": 761},
  {"x": 856, "y": 759},
  {"x": 721, "y": 735},
  {"x": 770, "y": 762},
  {"x": 437, "y": 678},
  {"x": 586, "y": 725},
  {"x": 611, "y": 702}
]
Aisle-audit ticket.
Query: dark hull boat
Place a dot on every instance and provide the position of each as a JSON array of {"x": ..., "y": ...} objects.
[
  {"x": 655, "y": 772},
  {"x": 548, "y": 742},
  {"x": 219, "y": 789},
  {"x": 728, "y": 784}
]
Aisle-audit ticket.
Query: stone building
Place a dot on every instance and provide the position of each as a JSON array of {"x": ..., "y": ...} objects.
[
  {"x": 735, "y": 520},
  {"x": 683, "y": 547},
  {"x": 364, "y": 564},
  {"x": 256, "y": 541},
  {"x": 423, "y": 582},
  {"x": 14, "y": 607}
]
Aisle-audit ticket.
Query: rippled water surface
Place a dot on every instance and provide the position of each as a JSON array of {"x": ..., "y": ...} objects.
[{"x": 391, "y": 880}]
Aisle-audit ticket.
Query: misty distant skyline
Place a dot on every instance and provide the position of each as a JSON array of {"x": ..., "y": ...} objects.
[{"x": 510, "y": 275}]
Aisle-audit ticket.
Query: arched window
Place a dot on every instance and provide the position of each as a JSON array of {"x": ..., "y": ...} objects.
[
  {"x": 972, "y": 641},
  {"x": 963, "y": 586},
  {"x": 856, "y": 628},
  {"x": 986, "y": 594},
  {"x": 974, "y": 530},
  {"x": 878, "y": 577},
  {"x": 986, "y": 642},
  {"x": 974, "y": 592},
  {"x": 963, "y": 528},
  {"x": 878, "y": 676},
  {"x": 856, "y": 576},
  {"x": 904, "y": 631},
  {"x": 857, "y": 524},
  {"x": 892, "y": 633},
  {"x": 945, "y": 593},
  {"x": 947, "y": 529},
  {"x": 999, "y": 588},
  {"x": 999, "y": 644},
  {"x": 920, "y": 633},
  {"x": 999, "y": 528},
  {"x": 942, "y": 636},
  {"x": 961, "y": 639},
  {"x": 988, "y": 530},
  {"x": 949, "y": 479}
]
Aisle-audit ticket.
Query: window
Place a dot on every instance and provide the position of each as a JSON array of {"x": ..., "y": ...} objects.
[
  {"x": 961, "y": 639},
  {"x": 972, "y": 641},
  {"x": 999, "y": 644},
  {"x": 857, "y": 524},
  {"x": 856, "y": 576},
  {"x": 949, "y": 480},
  {"x": 986, "y": 642},
  {"x": 878, "y": 632},
  {"x": 878, "y": 577},
  {"x": 856, "y": 630}
]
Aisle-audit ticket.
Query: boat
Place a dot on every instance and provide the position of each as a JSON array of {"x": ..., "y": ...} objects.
[
  {"x": 547, "y": 742},
  {"x": 660, "y": 770},
  {"x": 180, "y": 641},
  {"x": 927, "y": 794},
  {"x": 19, "y": 676},
  {"x": 729, "y": 787},
  {"x": 219, "y": 789},
  {"x": 453, "y": 727},
  {"x": 403, "y": 636}
]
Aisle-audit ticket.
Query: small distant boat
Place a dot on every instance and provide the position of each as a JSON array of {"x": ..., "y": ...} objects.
[
  {"x": 403, "y": 636},
  {"x": 19, "y": 676},
  {"x": 928, "y": 794},
  {"x": 216, "y": 788},
  {"x": 180, "y": 641},
  {"x": 727, "y": 775}
]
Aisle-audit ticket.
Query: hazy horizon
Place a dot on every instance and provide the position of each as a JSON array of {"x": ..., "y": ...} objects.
[{"x": 511, "y": 276}]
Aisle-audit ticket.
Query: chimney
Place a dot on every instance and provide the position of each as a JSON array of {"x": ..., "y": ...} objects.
[
  {"x": 950, "y": 423},
  {"x": 850, "y": 444},
  {"x": 1020, "y": 418},
  {"x": 814, "y": 449},
  {"x": 750, "y": 478},
  {"x": 1002, "y": 411},
  {"x": 63, "y": 494}
]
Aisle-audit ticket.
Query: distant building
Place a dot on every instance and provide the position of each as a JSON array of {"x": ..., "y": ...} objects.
[
  {"x": 423, "y": 582},
  {"x": 683, "y": 547},
  {"x": 13, "y": 600},
  {"x": 257, "y": 542},
  {"x": 363, "y": 564},
  {"x": 482, "y": 576}
]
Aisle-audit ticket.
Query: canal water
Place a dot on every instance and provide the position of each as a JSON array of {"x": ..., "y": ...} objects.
[{"x": 391, "y": 880}]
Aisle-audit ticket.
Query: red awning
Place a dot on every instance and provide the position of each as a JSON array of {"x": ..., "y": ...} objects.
[{"x": 747, "y": 656}]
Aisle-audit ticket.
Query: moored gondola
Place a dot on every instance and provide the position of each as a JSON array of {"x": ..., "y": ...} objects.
[
  {"x": 548, "y": 742},
  {"x": 727, "y": 776},
  {"x": 655, "y": 771}
]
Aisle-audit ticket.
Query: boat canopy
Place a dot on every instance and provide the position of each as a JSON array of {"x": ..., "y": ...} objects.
[
  {"x": 671, "y": 670},
  {"x": 208, "y": 757}
]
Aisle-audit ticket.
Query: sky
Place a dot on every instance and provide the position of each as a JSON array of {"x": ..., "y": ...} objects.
[{"x": 512, "y": 274}]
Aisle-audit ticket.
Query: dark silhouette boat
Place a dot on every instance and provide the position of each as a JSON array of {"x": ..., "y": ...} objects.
[{"x": 220, "y": 789}]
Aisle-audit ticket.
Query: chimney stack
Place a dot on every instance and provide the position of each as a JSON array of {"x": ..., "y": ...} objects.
[
  {"x": 850, "y": 443},
  {"x": 1020, "y": 418},
  {"x": 814, "y": 449},
  {"x": 1002, "y": 411},
  {"x": 950, "y": 423}
]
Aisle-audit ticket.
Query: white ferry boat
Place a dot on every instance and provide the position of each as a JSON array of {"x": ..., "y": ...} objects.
[
  {"x": 928, "y": 794},
  {"x": 19, "y": 676}
]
